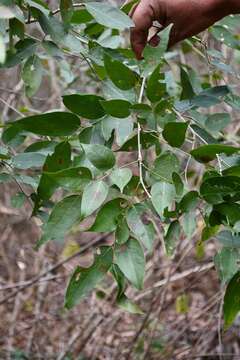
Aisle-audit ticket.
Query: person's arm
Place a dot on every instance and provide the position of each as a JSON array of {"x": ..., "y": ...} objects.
[{"x": 189, "y": 17}]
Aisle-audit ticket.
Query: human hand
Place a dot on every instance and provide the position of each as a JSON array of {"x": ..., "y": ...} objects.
[{"x": 189, "y": 17}]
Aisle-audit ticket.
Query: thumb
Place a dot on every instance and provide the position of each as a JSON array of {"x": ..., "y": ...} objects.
[{"x": 143, "y": 17}]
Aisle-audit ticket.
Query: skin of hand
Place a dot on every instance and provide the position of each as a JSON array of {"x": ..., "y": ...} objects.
[{"x": 189, "y": 17}]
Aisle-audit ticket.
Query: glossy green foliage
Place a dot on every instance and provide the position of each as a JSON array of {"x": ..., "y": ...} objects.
[{"x": 142, "y": 150}]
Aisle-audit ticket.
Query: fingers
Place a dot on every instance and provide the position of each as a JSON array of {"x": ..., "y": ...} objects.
[
  {"x": 142, "y": 16},
  {"x": 154, "y": 41}
]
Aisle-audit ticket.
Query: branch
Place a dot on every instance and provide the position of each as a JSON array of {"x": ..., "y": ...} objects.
[
  {"x": 140, "y": 159},
  {"x": 55, "y": 267},
  {"x": 54, "y": 12},
  {"x": 177, "y": 277}
]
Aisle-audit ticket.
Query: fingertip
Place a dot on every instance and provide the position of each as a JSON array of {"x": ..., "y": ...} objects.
[
  {"x": 138, "y": 42},
  {"x": 142, "y": 17}
]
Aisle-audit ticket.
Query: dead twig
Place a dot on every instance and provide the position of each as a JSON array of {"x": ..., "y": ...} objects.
[{"x": 55, "y": 267}]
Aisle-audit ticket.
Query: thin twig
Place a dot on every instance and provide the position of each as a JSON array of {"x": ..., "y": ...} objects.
[
  {"x": 220, "y": 327},
  {"x": 11, "y": 107},
  {"x": 177, "y": 277},
  {"x": 55, "y": 267},
  {"x": 54, "y": 12},
  {"x": 28, "y": 282},
  {"x": 140, "y": 158}
]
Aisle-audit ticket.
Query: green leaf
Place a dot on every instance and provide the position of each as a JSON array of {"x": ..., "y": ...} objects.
[
  {"x": 59, "y": 160},
  {"x": 156, "y": 86},
  {"x": 231, "y": 306},
  {"x": 109, "y": 16},
  {"x": 130, "y": 259},
  {"x": 87, "y": 106},
  {"x": 154, "y": 55},
  {"x": 127, "y": 305},
  {"x": 209, "y": 232},
  {"x": 233, "y": 100},
  {"x": 210, "y": 97},
  {"x": 24, "y": 49},
  {"x": 187, "y": 89},
  {"x": 225, "y": 35},
  {"x": 174, "y": 133},
  {"x": 207, "y": 153},
  {"x": 100, "y": 156},
  {"x": 178, "y": 183},
  {"x": 71, "y": 179},
  {"x": 172, "y": 237},
  {"x": 226, "y": 213},
  {"x": 66, "y": 9},
  {"x": 120, "y": 279},
  {"x": 44, "y": 147},
  {"x": 81, "y": 16},
  {"x": 117, "y": 108},
  {"x": 229, "y": 239},
  {"x": 126, "y": 7},
  {"x": 64, "y": 215},
  {"x": 111, "y": 91},
  {"x": 121, "y": 177},
  {"x": 144, "y": 233},
  {"x": 106, "y": 220},
  {"x": 28, "y": 160},
  {"x": 165, "y": 165},
  {"x": 123, "y": 128},
  {"x": 32, "y": 75},
  {"x": 16, "y": 28},
  {"x": 227, "y": 263},
  {"x": 91, "y": 135},
  {"x": 94, "y": 194},
  {"x": 147, "y": 140},
  {"x": 215, "y": 189},
  {"x": 49, "y": 124},
  {"x": 163, "y": 195},
  {"x": 122, "y": 231},
  {"x": 84, "y": 280},
  {"x": 232, "y": 171},
  {"x": 217, "y": 122},
  {"x": 51, "y": 26},
  {"x": 189, "y": 224},
  {"x": 22, "y": 179},
  {"x": 205, "y": 99},
  {"x": 206, "y": 136},
  {"x": 121, "y": 76},
  {"x": 189, "y": 201}
]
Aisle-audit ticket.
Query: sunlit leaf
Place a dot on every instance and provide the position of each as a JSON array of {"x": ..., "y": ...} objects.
[
  {"x": 121, "y": 177},
  {"x": 109, "y": 15},
  {"x": 163, "y": 195},
  {"x": 94, "y": 194},
  {"x": 130, "y": 259}
]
